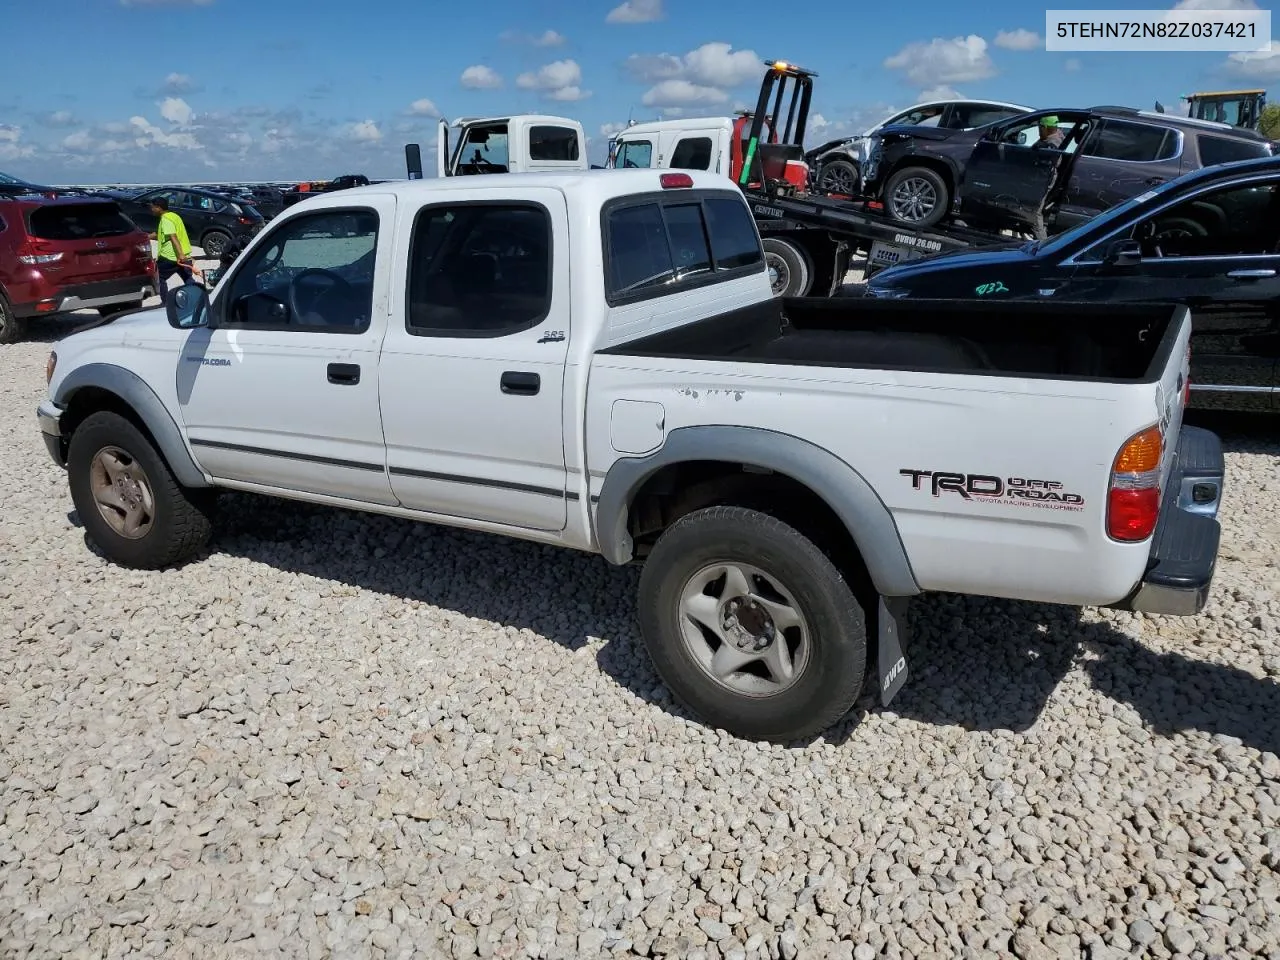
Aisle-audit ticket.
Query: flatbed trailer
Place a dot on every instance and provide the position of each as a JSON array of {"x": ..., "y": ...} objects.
[
  {"x": 809, "y": 238},
  {"x": 825, "y": 234}
]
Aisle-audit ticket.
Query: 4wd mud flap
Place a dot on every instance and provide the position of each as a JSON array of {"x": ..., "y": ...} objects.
[{"x": 891, "y": 662}]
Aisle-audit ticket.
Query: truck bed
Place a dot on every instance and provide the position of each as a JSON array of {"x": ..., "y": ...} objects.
[{"x": 1061, "y": 340}]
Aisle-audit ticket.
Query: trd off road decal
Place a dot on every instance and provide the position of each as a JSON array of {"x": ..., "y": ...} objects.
[{"x": 1014, "y": 491}]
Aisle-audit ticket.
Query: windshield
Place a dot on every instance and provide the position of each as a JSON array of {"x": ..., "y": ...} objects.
[{"x": 1107, "y": 217}]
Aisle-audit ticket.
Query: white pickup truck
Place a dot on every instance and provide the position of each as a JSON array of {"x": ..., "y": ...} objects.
[{"x": 596, "y": 360}]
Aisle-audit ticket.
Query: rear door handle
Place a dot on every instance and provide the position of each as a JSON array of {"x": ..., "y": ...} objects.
[
  {"x": 1251, "y": 274},
  {"x": 521, "y": 383},
  {"x": 344, "y": 373}
]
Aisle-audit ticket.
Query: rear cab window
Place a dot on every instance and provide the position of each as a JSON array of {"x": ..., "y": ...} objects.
[
  {"x": 658, "y": 244},
  {"x": 80, "y": 221},
  {"x": 553, "y": 143}
]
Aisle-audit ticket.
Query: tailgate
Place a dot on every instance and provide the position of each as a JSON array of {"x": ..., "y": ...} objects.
[{"x": 96, "y": 241}]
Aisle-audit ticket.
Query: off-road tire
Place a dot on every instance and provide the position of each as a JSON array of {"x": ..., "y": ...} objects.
[
  {"x": 11, "y": 327},
  {"x": 182, "y": 523},
  {"x": 942, "y": 195},
  {"x": 829, "y": 683}
]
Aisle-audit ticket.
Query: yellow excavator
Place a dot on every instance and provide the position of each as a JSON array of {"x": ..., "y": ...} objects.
[{"x": 1240, "y": 108}]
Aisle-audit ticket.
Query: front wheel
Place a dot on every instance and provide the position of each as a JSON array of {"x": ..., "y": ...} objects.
[
  {"x": 128, "y": 500},
  {"x": 751, "y": 625},
  {"x": 790, "y": 272},
  {"x": 917, "y": 197}
]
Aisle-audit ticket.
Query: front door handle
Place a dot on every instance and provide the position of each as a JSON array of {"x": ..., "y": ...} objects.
[
  {"x": 1261, "y": 274},
  {"x": 1152, "y": 181},
  {"x": 521, "y": 383},
  {"x": 344, "y": 373}
]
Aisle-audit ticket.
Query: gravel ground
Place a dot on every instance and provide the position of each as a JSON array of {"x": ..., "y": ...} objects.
[{"x": 348, "y": 736}]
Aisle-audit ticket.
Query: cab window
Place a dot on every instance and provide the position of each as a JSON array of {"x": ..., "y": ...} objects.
[
  {"x": 635, "y": 153},
  {"x": 314, "y": 274},
  {"x": 692, "y": 153}
]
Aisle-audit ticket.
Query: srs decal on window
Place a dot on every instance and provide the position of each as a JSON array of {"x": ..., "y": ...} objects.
[
  {"x": 1014, "y": 491},
  {"x": 998, "y": 287}
]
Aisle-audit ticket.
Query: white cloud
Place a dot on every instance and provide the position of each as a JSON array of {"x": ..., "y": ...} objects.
[
  {"x": 817, "y": 124},
  {"x": 423, "y": 108},
  {"x": 176, "y": 83},
  {"x": 1018, "y": 39},
  {"x": 480, "y": 77},
  {"x": 941, "y": 92},
  {"x": 9, "y": 133},
  {"x": 1256, "y": 64},
  {"x": 78, "y": 142},
  {"x": 671, "y": 93},
  {"x": 176, "y": 110},
  {"x": 561, "y": 80},
  {"x": 1215, "y": 5},
  {"x": 146, "y": 133},
  {"x": 366, "y": 131},
  {"x": 636, "y": 11},
  {"x": 958, "y": 60},
  {"x": 548, "y": 38},
  {"x": 60, "y": 118},
  {"x": 608, "y": 130},
  {"x": 703, "y": 75},
  {"x": 1072, "y": 65}
]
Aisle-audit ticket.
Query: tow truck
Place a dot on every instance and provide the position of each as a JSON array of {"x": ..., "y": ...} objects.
[{"x": 809, "y": 237}]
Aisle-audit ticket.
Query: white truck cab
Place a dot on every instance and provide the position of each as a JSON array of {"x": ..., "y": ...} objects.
[
  {"x": 528, "y": 143},
  {"x": 697, "y": 143}
]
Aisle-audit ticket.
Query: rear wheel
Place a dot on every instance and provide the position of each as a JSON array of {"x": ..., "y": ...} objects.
[
  {"x": 790, "y": 272},
  {"x": 916, "y": 196},
  {"x": 839, "y": 176},
  {"x": 11, "y": 327},
  {"x": 128, "y": 500},
  {"x": 751, "y": 625},
  {"x": 215, "y": 243}
]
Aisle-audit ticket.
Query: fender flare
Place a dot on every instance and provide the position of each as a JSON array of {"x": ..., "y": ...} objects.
[
  {"x": 134, "y": 391},
  {"x": 846, "y": 491}
]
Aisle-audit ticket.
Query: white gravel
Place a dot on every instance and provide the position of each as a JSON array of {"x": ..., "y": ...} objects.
[{"x": 355, "y": 737}]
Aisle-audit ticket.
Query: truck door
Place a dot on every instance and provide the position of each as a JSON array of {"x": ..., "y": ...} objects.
[
  {"x": 282, "y": 388},
  {"x": 473, "y": 365},
  {"x": 1006, "y": 177}
]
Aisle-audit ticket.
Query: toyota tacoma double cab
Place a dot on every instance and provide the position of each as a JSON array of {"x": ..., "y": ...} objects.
[{"x": 596, "y": 360}]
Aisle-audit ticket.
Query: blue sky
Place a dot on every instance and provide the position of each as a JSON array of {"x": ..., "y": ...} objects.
[{"x": 193, "y": 90}]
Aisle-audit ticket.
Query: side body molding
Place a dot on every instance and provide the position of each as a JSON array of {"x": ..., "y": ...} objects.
[
  {"x": 132, "y": 389},
  {"x": 844, "y": 489}
]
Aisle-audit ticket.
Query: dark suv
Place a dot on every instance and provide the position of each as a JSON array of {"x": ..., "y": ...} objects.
[
  {"x": 214, "y": 222},
  {"x": 995, "y": 177}
]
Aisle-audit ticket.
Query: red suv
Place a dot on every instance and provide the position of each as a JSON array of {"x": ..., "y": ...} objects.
[{"x": 69, "y": 253}]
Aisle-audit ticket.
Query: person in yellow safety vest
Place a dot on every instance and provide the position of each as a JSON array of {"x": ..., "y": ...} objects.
[{"x": 173, "y": 249}]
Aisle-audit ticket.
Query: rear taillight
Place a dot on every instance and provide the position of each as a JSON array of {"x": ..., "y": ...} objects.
[
  {"x": 35, "y": 251},
  {"x": 144, "y": 248},
  {"x": 245, "y": 221},
  {"x": 1133, "y": 498}
]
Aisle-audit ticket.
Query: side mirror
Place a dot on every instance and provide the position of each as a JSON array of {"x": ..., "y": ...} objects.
[
  {"x": 1123, "y": 253},
  {"x": 187, "y": 307}
]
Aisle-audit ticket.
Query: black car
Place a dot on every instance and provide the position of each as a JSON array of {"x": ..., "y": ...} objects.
[
  {"x": 1210, "y": 240},
  {"x": 213, "y": 221},
  {"x": 13, "y": 187},
  {"x": 994, "y": 176}
]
